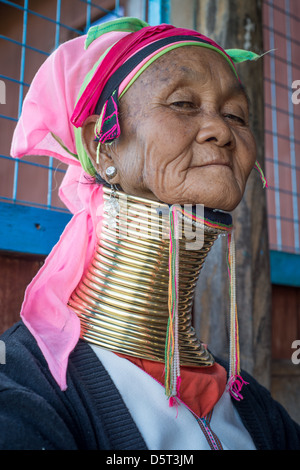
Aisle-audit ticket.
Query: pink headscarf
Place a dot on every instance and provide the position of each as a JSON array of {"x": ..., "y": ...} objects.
[
  {"x": 47, "y": 108},
  {"x": 47, "y": 111}
]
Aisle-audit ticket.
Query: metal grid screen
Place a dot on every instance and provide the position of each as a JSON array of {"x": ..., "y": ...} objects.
[
  {"x": 30, "y": 31},
  {"x": 282, "y": 122}
]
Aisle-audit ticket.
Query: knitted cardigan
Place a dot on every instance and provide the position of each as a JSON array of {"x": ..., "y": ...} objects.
[{"x": 90, "y": 414}]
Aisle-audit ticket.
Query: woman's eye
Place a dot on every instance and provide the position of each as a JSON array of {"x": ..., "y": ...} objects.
[
  {"x": 233, "y": 117},
  {"x": 184, "y": 104}
]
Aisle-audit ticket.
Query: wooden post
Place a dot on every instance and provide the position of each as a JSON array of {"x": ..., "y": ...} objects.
[{"x": 238, "y": 24}]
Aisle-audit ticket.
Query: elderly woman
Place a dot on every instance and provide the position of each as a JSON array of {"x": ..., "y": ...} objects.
[{"x": 153, "y": 123}]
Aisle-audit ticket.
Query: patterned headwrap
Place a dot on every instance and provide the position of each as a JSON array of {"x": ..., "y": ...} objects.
[{"x": 84, "y": 76}]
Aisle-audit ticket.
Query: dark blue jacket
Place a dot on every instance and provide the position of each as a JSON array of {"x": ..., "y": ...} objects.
[{"x": 90, "y": 414}]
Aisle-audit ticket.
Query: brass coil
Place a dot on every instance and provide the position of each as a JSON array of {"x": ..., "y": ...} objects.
[{"x": 122, "y": 300}]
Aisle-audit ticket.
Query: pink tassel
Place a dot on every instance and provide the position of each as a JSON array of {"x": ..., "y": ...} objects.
[
  {"x": 173, "y": 402},
  {"x": 178, "y": 386},
  {"x": 235, "y": 382},
  {"x": 113, "y": 131},
  {"x": 235, "y": 385}
]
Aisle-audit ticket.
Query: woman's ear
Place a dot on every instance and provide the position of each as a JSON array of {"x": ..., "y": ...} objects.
[{"x": 104, "y": 159}]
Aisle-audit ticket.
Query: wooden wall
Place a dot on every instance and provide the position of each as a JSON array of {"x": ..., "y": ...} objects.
[
  {"x": 285, "y": 383},
  {"x": 16, "y": 272},
  {"x": 285, "y": 320}
]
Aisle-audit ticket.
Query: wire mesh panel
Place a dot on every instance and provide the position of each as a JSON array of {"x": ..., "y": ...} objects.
[
  {"x": 282, "y": 122},
  {"x": 29, "y": 31}
]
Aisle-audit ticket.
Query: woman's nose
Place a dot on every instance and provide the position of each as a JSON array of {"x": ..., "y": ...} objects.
[{"x": 215, "y": 129}]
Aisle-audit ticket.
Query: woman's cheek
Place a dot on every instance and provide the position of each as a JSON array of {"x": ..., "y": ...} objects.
[{"x": 244, "y": 159}]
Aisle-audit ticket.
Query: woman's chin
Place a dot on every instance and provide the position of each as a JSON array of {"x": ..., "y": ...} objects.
[
  {"x": 221, "y": 200},
  {"x": 221, "y": 195}
]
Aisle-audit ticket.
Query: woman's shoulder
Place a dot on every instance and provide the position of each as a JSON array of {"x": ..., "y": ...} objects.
[
  {"x": 266, "y": 419},
  {"x": 33, "y": 414},
  {"x": 21, "y": 356}
]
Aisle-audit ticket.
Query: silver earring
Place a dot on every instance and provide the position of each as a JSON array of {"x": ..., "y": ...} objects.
[
  {"x": 110, "y": 172},
  {"x": 112, "y": 208}
]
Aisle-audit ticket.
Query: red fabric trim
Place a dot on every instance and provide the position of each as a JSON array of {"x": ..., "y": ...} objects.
[{"x": 201, "y": 387}]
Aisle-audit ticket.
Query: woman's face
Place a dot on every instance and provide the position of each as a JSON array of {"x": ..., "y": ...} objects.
[{"x": 185, "y": 136}]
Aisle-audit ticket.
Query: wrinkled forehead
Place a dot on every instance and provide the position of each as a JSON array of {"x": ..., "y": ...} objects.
[
  {"x": 191, "y": 61},
  {"x": 189, "y": 65}
]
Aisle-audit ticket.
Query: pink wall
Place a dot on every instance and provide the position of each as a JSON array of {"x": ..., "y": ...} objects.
[{"x": 282, "y": 123}]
